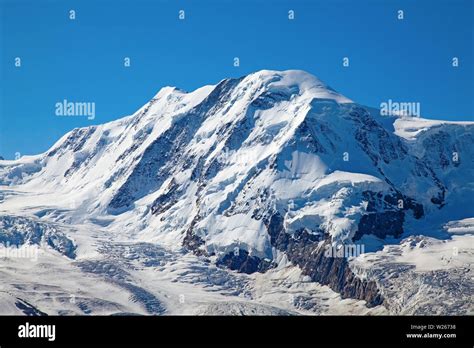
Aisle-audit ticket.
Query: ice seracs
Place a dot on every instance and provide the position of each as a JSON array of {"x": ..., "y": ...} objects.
[{"x": 252, "y": 168}]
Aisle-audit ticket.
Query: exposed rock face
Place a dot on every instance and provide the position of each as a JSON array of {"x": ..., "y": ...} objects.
[
  {"x": 161, "y": 156},
  {"x": 165, "y": 154},
  {"x": 386, "y": 150},
  {"x": 192, "y": 241},
  {"x": 166, "y": 200},
  {"x": 386, "y": 214},
  {"x": 381, "y": 224},
  {"x": 270, "y": 161},
  {"x": 384, "y": 217},
  {"x": 308, "y": 252},
  {"x": 241, "y": 261}
]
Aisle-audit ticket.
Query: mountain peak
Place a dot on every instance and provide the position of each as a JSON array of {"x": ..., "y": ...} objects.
[
  {"x": 298, "y": 81},
  {"x": 255, "y": 174},
  {"x": 167, "y": 90},
  {"x": 291, "y": 81}
]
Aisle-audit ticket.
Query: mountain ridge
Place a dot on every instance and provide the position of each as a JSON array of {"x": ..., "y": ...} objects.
[{"x": 251, "y": 168}]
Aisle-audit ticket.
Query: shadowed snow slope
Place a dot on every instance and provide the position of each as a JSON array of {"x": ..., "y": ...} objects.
[{"x": 245, "y": 171}]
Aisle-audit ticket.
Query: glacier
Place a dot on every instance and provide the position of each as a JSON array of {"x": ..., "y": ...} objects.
[{"x": 224, "y": 200}]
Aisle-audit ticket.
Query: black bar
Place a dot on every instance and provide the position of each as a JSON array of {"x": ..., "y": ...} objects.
[{"x": 291, "y": 331}]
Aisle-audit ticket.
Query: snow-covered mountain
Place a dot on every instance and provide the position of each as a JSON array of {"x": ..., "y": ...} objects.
[{"x": 252, "y": 178}]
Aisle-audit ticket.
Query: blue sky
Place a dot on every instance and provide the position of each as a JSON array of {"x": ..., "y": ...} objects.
[{"x": 82, "y": 59}]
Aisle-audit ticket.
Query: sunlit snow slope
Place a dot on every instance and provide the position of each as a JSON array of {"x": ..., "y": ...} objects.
[{"x": 255, "y": 177}]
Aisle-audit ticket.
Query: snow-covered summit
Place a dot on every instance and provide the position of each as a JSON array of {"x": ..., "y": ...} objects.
[
  {"x": 285, "y": 131},
  {"x": 297, "y": 81},
  {"x": 269, "y": 164}
]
